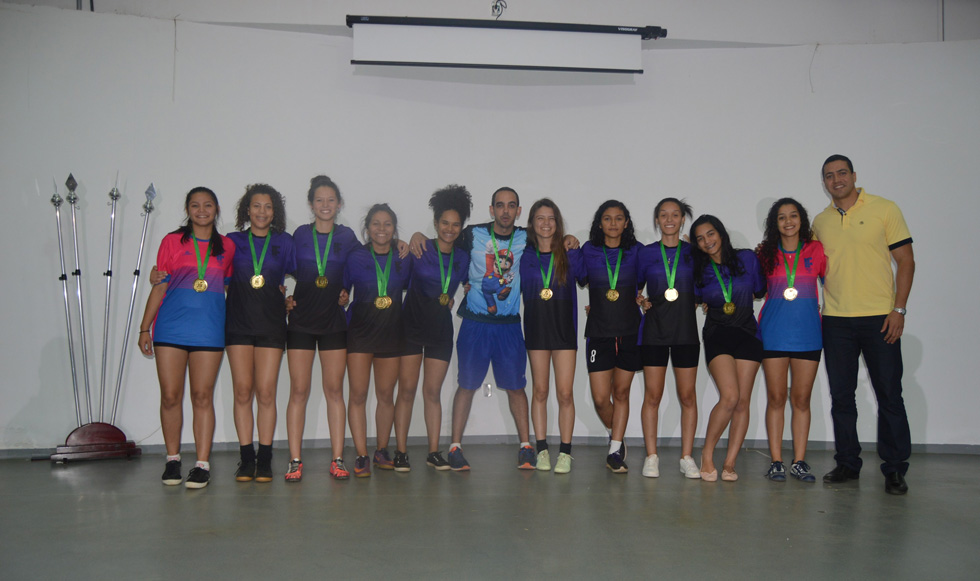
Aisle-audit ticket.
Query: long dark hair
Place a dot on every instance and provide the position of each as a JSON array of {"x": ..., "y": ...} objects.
[
  {"x": 729, "y": 257},
  {"x": 370, "y": 214},
  {"x": 686, "y": 209},
  {"x": 598, "y": 239},
  {"x": 770, "y": 244},
  {"x": 186, "y": 230},
  {"x": 558, "y": 253},
  {"x": 452, "y": 197},
  {"x": 278, "y": 207}
]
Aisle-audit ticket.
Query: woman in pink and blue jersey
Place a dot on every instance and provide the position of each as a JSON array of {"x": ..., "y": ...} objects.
[
  {"x": 790, "y": 323},
  {"x": 183, "y": 327}
]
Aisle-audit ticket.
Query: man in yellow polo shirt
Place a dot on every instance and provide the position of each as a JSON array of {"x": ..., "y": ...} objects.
[{"x": 864, "y": 313}]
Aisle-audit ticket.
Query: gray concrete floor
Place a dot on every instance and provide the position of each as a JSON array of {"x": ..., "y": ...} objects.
[{"x": 113, "y": 519}]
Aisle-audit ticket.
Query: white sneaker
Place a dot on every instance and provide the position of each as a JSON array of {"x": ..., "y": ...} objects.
[
  {"x": 651, "y": 466},
  {"x": 689, "y": 468}
]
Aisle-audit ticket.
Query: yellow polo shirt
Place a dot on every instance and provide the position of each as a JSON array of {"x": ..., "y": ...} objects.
[{"x": 858, "y": 245}]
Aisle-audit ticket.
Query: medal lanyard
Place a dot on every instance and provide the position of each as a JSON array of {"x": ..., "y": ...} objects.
[
  {"x": 613, "y": 276},
  {"x": 551, "y": 265},
  {"x": 321, "y": 267},
  {"x": 382, "y": 275},
  {"x": 202, "y": 267},
  {"x": 444, "y": 277},
  {"x": 672, "y": 271},
  {"x": 496, "y": 253},
  {"x": 258, "y": 262},
  {"x": 731, "y": 284},
  {"x": 791, "y": 272}
]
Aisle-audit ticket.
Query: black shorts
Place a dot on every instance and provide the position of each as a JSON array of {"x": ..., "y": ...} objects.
[
  {"x": 271, "y": 341},
  {"x": 734, "y": 342},
  {"x": 442, "y": 352},
  {"x": 805, "y": 355},
  {"x": 605, "y": 353},
  {"x": 310, "y": 342},
  {"x": 188, "y": 348},
  {"x": 682, "y": 356}
]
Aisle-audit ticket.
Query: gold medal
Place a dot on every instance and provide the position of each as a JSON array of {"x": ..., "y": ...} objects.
[
  {"x": 546, "y": 294},
  {"x": 321, "y": 282},
  {"x": 258, "y": 281},
  {"x": 200, "y": 285},
  {"x": 444, "y": 299},
  {"x": 382, "y": 302},
  {"x": 671, "y": 294},
  {"x": 729, "y": 308},
  {"x": 612, "y": 295},
  {"x": 790, "y": 294}
]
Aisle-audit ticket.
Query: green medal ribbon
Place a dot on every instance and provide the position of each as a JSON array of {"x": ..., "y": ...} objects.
[
  {"x": 202, "y": 267},
  {"x": 257, "y": 263},
  {"x": 496, "y": 253},
  {"x": 551, "y": 265},
  {"x": 321, "y": 267},
  {"x": 613, "y": 276},
  {"x": 731, "y": 284},
  {"x": 791, "y": 272},
  {"x": 382, "y": 275},
  {"x": 443, "y": 276},
  {"x": 671, "y": 272}
]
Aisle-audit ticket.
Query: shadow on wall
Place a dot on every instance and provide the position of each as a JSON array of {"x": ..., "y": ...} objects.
[{"x": 52, "y": 406}]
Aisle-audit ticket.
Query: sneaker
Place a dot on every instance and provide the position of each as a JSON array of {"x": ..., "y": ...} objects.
[
  {"x": 615, "y": 463},
  {"x": 689, "y": 468},
  {"x": 401, "y": 462},
  {"x": 383, "y": 460},
  {"x": 338, "y": 470},
  {"x": 800, "y": 470},
  {"x": 776, "y": 472},
  {"x": 246, "y": 471},
  {"x": 544, "y": 461},
  {"x": 456, "y": 460},
  {"x": 564, "y": 463},
  {"x": 263, "y": 470},
  {"x": 171, "y": 474},
  {"x": 197, "y": 478},
  {"x": 651, "y": 466},
  {"x": 362, "y": 467},
  {"x": 525, "y": 458},
  {"x": 436, "y": 460},
  {"x": 294, "y": 473}
]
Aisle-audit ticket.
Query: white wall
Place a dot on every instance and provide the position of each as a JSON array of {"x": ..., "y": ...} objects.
[{"x": 182, "y": 104}]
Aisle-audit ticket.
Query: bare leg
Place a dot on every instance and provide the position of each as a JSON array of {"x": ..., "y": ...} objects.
[
  {"x": 517, "y": 398},
  {"x": 653, "y": 380},
  {"x": 408, "y": 383},
  {"x": 775, "y": 371},
  {"x": 385, "y": 378},
  {"x": 746, "y": 370},
  {"x": 203, "y": 370},
  {"x": 435, "y": 374},
  {"x": 804, "y": 372},
  {"x": 722, "y": 369},
  {"x": 462, "y": 402},
  {"x": 622, "y": 380},
  {"x": 564, "y": 365},
  {"x": 267, "y": 363},
  {"x": 686, "y": 379},
  {"x": 300, "y": 375},
  {"x": 359, "y": 378},
  {"x": 171, "y": 367},
  {"x": 540, "y": 382},
  {"x": 241, "y": 362},
  {"x": 600, "y": 383},
  {"x": 333, "y": 363}
]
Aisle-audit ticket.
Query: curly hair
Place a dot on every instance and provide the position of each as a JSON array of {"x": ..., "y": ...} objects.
[
  {"x": 771, "y": 242},
  {"x": 370, "y": 214},
  {"x": 278, "y": 207},
  {"x": 598, "y": 239},
  {"x": 451, "y": 197},
  {"x": 186, "y": 230},
  {"x": 686, "y": 209},
  {"x": 558, "y": 252},
  {"x": 729, "y": 257}
]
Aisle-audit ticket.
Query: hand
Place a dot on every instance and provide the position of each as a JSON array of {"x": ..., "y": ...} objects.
[
  {"x": 452, "y": 302},
  {"x": 290, "y": 303},
  {"x": 466, "y": 288},
  {"x": 417, "y": 244},
  {"x": 644, "y": 303},
  {"x": 344, "y": 298},
  {"x": 587, "y": 309},
  {"x": 571, "y": 242},
  {"x": 403, "y": 249},
  {"x": 758, "y": 248},
  {"x": 893, "y": 327},
  {"x": 704, "y": 308},
  {"x": 157, "y": 276},
  {"x": 145, "y": 341}
]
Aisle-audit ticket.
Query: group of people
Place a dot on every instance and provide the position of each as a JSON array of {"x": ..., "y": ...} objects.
[{"x": 386, "y": 306}]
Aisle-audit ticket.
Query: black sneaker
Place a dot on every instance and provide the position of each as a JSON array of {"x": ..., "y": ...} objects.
[
  {"x": 246, "y": 471},
  {"x": 401, "y": 462},
  {"x": 197, "y": 478},
  {"x": 171, "y": 474},
  {"x": 615, "y": 463},
  {"x": 436, "y": 460},
  {"x": 263, "y": 470}
]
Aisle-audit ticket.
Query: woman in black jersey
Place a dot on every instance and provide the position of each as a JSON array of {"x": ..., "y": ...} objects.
[
  {"x": 548, "y": 275},
  {"x": 427, "y": 323}
]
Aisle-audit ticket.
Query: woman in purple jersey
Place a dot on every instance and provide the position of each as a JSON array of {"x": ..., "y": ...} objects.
[
  {"x": 727, "y": 281},
  {"x": 787, "y": 317},
  {"x": 612, "y": 353},
  {"x": 197, "y": 319},
  {"x": 427, "y": 323},
  {"x": 548, "y": 275},
  {"x": 669, "y": 332},
  {"x": 317, "y": 323},
  {"x": 255, "y": 328},
  {"x": 377, "y": 278}
]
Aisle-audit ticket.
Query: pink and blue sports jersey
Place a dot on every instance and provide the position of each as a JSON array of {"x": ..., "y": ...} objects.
[
  {"x": 794, "y": 325},
  {"x": 745, "y": 288},
  {"x": 187, "y": 317}
]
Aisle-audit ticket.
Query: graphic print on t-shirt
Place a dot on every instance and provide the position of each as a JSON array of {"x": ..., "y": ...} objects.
[{"x": 498, "y": 283}]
